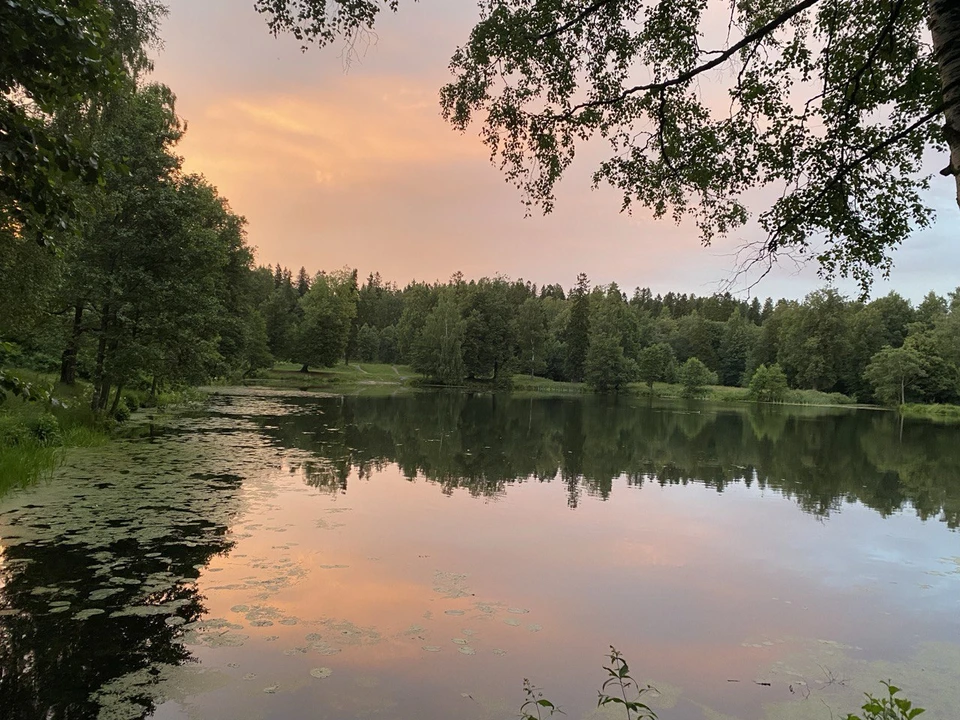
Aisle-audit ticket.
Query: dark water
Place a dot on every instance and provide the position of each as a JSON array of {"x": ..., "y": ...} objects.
[{"x": 293, "y": 556}]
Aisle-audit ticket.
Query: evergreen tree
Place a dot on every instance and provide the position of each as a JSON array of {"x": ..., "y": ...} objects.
[{"x": 577, "y": 333}]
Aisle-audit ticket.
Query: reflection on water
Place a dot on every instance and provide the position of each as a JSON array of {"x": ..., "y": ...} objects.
[
  {"x": 819, "y": 457},
  {"x": 198, "y": 572}
]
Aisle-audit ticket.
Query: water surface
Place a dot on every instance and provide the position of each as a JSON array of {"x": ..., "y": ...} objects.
[{"x": 294, "y": 556}]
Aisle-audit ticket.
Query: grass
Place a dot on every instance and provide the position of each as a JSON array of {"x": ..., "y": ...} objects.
[
  {"x": 33, "y": 435},
  {"x": 527, "y": 384},
  {"x": 340, "y": 376},
  {"x": 943, "y": 413},
  {"x": 359, "y": 375}
]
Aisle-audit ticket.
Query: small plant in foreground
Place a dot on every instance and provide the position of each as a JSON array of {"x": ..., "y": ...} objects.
[
  {"x": 630, "y": 696},
  {"x": 619, "y": 678},
  {"x": 536, "y": 703},
  {"x": 890, "y": 707}
]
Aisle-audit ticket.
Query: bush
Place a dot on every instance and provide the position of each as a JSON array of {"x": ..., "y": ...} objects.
[
  {"x": 768, "y": 384},
  {"x": 46, "y": 429},
  {"x": 122, "y": 413},
  {"x": 14, "y": 433},
  {"x": 695, "y": 376}
]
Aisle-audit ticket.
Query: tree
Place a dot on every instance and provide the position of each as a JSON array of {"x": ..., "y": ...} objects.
[
  {"x": 303, "y": 282},
  {"x": 89, "y": 48},
  {"x": 531, "y": 334},
  {"x": 695, "y": 376},
  {"x": 328, "y": 311},
  {"x": 352, "y": 291},
  {"x": 606, "y": 367},
  {"x": 655, "y": 364},
  {"x": 439, "y": 353},
  {"x": 368, "y": 344},
  {"x": 488, "y": 334},
  {"x": 768, "y": 384},
  {"x": 814, "y": 344},
  {"x": 829, "y": 105},
  {"x": 577, "y": 333},
  {"x": 388, "y": 350},
  {"x": 892, "y": 371},
  {"x": 735, "y": 345}
]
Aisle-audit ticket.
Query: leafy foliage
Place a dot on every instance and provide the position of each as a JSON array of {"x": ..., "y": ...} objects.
[
  {"x": 328, "y": 311},
  {"x": 13, "y": 384},
  {"x": 656, "y": 363},
  {"x": 695, "y": 376},
  {"x": 891, "y": 371},
  {"x": 536, "y": 707},
  {"x": 630, "y": 693},
  {"x": 888, "y": 707},
  {"x": 768, "y": 384},
  {"x": 828, "y": 106}
]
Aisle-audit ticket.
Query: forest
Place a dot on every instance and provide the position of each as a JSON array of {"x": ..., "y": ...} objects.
[{"x": 122, "y": 270}]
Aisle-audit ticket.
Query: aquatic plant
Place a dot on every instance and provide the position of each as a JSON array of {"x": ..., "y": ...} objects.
[
  {"x": 889, "y": 707},
  {"x": 536, "y": 706},
  {"x": 628, "y": 693},
  {"x": 619, "y": 678}
]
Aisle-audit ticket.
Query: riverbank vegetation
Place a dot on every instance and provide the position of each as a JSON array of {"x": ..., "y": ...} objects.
[
  {"x": 498, "y": 333},
  {"x": 123, "y": 271}
]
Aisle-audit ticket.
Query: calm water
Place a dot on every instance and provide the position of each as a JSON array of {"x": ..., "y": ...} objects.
[{"x": 293, "y": 556}]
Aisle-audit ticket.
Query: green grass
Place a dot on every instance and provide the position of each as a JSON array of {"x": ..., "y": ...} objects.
[
  {"x": 33, "y": 435},
  {"x": 288, "y": 375},
  {"x": 22, "y": 464},
  {"x": 943, "y": 413},
  {"x": 527, "y": 384},
  {"x": 369, "y": 375}
]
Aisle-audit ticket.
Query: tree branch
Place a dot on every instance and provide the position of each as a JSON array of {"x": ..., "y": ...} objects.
[
  {"x": 683, "y": 77},
  {"x": 584, "y": 14},
  {"x": 844, "y": 170},
  {"x": 871, "y": 57}
]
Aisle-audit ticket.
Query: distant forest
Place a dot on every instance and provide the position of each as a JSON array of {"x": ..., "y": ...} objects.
[
  {"x": 120, "y": 268},
  {"x": 490, "y": 329}
]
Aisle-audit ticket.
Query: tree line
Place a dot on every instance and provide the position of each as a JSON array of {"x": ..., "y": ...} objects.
[
  {"x": 489, "y": 329},
  {"x": 138, "y": 276}
]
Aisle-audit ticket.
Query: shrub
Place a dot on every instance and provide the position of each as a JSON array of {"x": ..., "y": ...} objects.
[
  {"x": 695, "y": 376},
  {"x": 768, "y": 384},
  {"x": 122, "y": 413},
  {"x": 46, "y": 429}
]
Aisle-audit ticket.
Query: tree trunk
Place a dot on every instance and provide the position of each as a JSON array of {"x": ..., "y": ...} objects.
[
  {"x": 98, "y": 372},
  {"x": 68, "y": 361},
  {"x": 305, "y": 368},
  {"x": 116, "y": 400},
  {"x": 944, "y": 22}
]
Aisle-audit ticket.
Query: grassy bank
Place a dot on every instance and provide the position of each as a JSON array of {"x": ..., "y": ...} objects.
[
  {"x": 33, "y": 435},
  {"x": 724, "y": 393},
  {"x": 334, "y": 379},
  {"x": 943, "y": 413},
  {"x": 357, "y": 376}
]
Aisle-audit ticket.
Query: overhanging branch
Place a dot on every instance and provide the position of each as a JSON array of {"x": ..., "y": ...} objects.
[
  {"x": 583, "y": 15},
  {"x": 684, "y": 77}
]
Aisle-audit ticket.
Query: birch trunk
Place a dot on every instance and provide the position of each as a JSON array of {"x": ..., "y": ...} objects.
[{"x": 944, "y": 21}]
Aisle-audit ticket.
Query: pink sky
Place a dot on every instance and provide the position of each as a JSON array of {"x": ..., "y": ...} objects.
[{"x": 334, "y": 167}]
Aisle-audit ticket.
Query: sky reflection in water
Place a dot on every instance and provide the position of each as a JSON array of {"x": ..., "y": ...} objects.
[{"x": 431, "y": 551}]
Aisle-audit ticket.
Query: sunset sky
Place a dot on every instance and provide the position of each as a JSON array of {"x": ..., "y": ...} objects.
[{"x": 334, "y": 166}]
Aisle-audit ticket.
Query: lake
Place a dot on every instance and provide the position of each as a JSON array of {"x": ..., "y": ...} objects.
[{"x": 287, "y": 555}]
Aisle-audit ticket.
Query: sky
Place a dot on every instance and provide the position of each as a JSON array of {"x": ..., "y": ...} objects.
[{"x": 334, "y": 165}]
